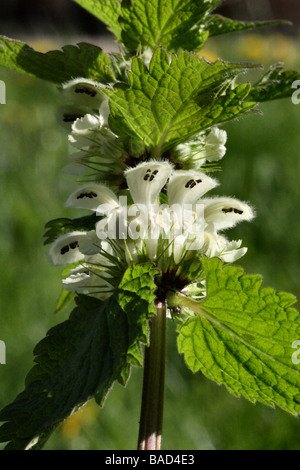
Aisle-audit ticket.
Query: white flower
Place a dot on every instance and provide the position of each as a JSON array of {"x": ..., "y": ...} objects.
[
  {"x": 91, "y": 196},
  {"x": 83, "y": 91},
  {"x": 189, "y": 186},
  {"x": 90, "y": 244},
  {"x": 226, "y": 212},
  {"x": 206, "y": 146},
  {"x": 86, "y": 130},
  {"x": 65, "y": 249},
  {"x": 87, "y": 124},
  {"x": 146, "y": 180},
  {"x": 232, "y": 250},
  {"x": 215, "y": 144},
  {"x": 90, "y": 277},
  {"x": 218, "y": 245}
]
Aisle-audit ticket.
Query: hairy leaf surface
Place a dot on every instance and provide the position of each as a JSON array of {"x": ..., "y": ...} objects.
[{"x": 242, "y": 337}]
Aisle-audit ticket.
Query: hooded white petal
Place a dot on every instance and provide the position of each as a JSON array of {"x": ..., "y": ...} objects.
[
  {"x": 211, "y": 247},
  {"x": 83, "y": 91},
  {"x": 188, "y": 187},
  {"x": 65, "y": 249},
  {"x": 92, "y": 196},
  {"x": 85, "y": 280},
  {"x": 78, "y": 278},
  {"x": 104, "y": 112},
  {"x": 85, "y": 125},
  {"x": 215, "y": 144},
  {"x": 85, "y": 130},
  {"x": 151, "y": 245},
  {"x": 67, "y": 115},
  {"x": 90, "y": 244},
  {"x": 225, "y": 212},
  {"x": 146, "y": 180},
  {"x": 178, "y": 248},
  {"x": 205, "y": 146},
  {"x": 232, "y": 251}
]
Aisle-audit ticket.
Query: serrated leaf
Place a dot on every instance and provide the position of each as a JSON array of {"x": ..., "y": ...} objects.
[
  {"x": 138, "y": 278},
  {"x": 242, "y": 337},
  {"x": 56, "y": 227},
  {"x": 276, "y": 83},
  {"x": 173, "y": 24},
  {"x": 176, "y": 98},
  {"x": 218, "y": 25},
  {"x": 108, "y": 11},
  {"x": 81, "y": 358},
  {"x": 84, "y": 60}
]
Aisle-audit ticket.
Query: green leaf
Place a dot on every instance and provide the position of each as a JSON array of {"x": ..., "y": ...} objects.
[
  {"x": 57, "y": 227},
  {"x": 108, "y": 11},
  {"x": 64, "y": 299},
  {"x": 81, "y": 358},
  {"x": 275, "y": 83},
  {"x": 218, "y": 25},
  {"x": 242, "y": 337},
  {"x": 83, "y": 60},
  {"x": 175, "y": 99},
  {"x": 137, "y": 279},
  {"x": 172, "y": 24}
]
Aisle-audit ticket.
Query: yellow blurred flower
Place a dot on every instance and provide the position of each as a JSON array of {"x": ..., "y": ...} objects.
[
  {"x": 72, "y": 427},
  {"x": 268, "y": 49}
]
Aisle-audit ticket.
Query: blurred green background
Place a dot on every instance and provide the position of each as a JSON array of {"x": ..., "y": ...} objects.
[{"x": 262, "y": 166}]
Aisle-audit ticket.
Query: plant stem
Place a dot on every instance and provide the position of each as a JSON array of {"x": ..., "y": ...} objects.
[
  {"x": 175, "y": 300},
  {"x": 153, "y": 384}
]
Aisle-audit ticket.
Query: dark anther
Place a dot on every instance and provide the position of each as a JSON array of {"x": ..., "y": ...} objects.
[
  {"x": 237, "y": 211},
  {"x": 192, "y": 183},
  {"x": 64, "y": 250},
  {"x": 150, "y": 177},
  {"x": 74, "y": 245},
  {"x": 70, "y": 117},
  {"x": 188, "y": 184},
  {"x": 86, "y": 91},
  {"x": 230, "y": 209},
  {"x": 90, "y": 195}
]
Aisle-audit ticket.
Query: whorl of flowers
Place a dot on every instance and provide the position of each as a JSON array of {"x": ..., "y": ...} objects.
[{"x": 161, "y": 215}]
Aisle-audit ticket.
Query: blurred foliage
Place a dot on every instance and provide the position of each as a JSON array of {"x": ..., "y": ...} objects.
[{"x": 262, "y": 166}]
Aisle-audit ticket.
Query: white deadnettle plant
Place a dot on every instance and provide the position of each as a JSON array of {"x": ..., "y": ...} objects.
[
  {"x": 167, "y": 234},
  {"x": 145, "y": 127}
]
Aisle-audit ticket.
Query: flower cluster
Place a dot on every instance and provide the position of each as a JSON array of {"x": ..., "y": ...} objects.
[
  {"x": 174, "y": 235},
  {"x": 146, "y": 210},
  {"x": 103, "y": 155}
]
